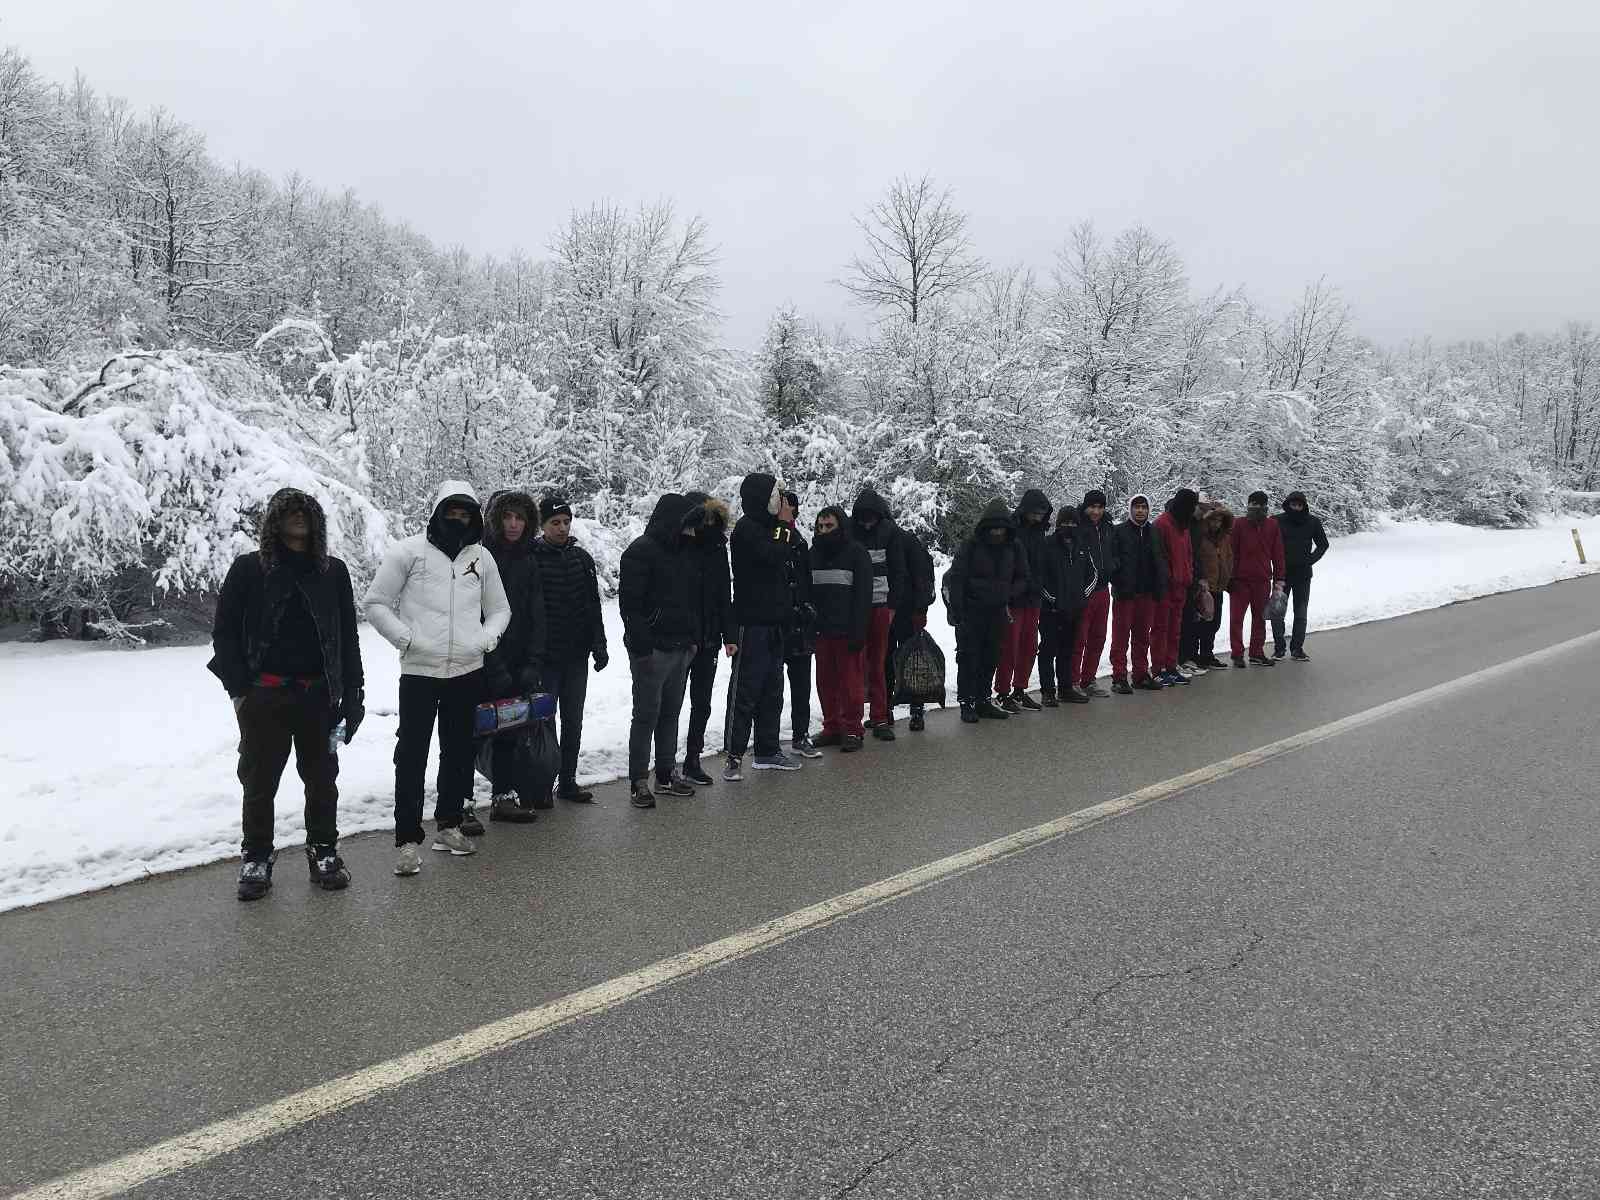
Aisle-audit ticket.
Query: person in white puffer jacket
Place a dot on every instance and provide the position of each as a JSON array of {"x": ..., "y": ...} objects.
[{"x": 439, "y": 600}]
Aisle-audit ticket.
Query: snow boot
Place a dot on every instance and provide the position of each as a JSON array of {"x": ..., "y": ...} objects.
[
  {"x": 328, "y": 871},
  {"x": 255, "y": 878},
  {"x": 1026, "y": 701},
  {"x": 505, "y": 807}
]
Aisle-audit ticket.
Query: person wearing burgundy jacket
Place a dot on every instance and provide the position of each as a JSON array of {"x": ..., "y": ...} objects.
[
  {"x": 1258, "y": 571},
  {"x": 1166, "y": 624}
]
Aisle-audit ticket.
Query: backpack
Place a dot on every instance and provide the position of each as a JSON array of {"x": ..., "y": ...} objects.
[{"x": 919, "y": 670}]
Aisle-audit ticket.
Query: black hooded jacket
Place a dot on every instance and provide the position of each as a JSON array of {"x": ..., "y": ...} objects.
[
  {"x": 270, "y": 593},
  {"x": 716, "y": 576},
  {"x": 841, "y": 583},
  {"x": 763, "y": 558},
  {"x": 1100, "y": 541},
  {"x": 885, "y": 547},
  {"x": 985, "y": 576},
  {"x": 1067, "y": 573},
  {"x": 1032, "y": 539},
  {"x": 659, "y": 592},
  {"x": 919, "y": 573},
  {"x": 1141, "y": 559},
  {"x": 1304, "y": 541},
  {"x": 518, "y": 659}
]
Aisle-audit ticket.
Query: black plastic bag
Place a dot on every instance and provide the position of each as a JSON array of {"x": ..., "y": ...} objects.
[
  {"x": 537, "y": 759},
  {"x": 919, "y": 670}
]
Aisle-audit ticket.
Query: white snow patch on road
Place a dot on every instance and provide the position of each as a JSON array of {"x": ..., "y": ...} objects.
[{"x": 118, "y": 764}]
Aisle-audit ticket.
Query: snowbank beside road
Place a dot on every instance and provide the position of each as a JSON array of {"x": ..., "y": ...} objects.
[{"x": 118, "y": 764}]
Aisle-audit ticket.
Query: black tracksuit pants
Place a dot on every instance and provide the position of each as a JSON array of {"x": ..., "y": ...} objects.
[
  {"x": 567, "y": 679},
  {"x": 978, "y": 640},
  {"x": 702, "y": 681},
  {"x": 755, "y": 693},
  {"x": 272, "y": 720},
  {"x": 451, "y": 701}
]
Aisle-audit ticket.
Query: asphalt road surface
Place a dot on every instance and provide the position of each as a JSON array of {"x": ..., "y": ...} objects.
[{"x": 1370, "y": 967}]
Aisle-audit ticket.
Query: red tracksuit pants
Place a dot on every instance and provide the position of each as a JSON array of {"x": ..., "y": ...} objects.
[
  {"x": 1017, "y": 652},
  {"x": 1166, "y": 627},
  {"x": 1251, "y": 594},
  {"x": 1130, "y": 619},
  {"x": 841, "y": 684},
  {"x": 1089, "y": 638}
]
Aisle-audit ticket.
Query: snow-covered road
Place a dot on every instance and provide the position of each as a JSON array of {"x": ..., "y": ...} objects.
[{"x": 120, "y": 763}]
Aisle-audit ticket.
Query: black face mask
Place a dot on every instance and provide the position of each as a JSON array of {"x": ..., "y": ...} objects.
[{"x": 829, "y": 542}]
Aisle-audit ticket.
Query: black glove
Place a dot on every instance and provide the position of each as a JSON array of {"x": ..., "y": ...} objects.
[
  {"x": 355, "y": 711},
  {"x": 532, "y": 678},
  {"x": 601, "y": 658},
  {"x": 499, "y": 683},
  {"x": 805, "y": 615}
]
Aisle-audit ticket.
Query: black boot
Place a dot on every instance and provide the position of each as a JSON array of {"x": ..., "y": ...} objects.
[
  {"x": 255, "y": 878},
  {"x": 918, "y": 721},
  {"x": 327, "y": 869},
  {"x": 969, "y": 713},
  {"x": 505, "y": 807},
  {"x": 1048, "y": 696}
]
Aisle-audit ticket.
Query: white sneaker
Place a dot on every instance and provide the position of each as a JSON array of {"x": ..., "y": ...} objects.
[
  {"x": 453, "y": 841},
  {"x": 1191, "y": 669},
  {"x": 776, "y": 762},
  {"x": 410, "y": 860}
]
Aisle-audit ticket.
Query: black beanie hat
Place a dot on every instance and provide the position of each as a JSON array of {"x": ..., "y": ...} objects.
[
  {"x": 551, "y": 506},
  {"x": 1258, "y": 497},
  {"x": 1093, "y": 497}
]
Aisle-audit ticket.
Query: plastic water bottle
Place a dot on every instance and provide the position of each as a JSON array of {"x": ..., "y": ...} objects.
[{"x": 335, "y": 738}]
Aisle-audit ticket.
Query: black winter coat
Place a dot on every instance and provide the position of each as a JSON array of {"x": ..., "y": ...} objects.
[
  {"x": 659, "y": 593},
  {"x": 1100, "y": 540},
  {"x": 252, "y": 606},
  {"x": 885, "y": 546},
  {"x": 919, "y": 573},
  {"x": 1141, "y": 560},
  {"x": 518, "y": 660},
  {"x": 1032, "y": 539},
  {"x": 763, "y": 558},
  {"x": 986, "y": 576},
  {"x": 716, "y": 576},
  {"x": 841, "y": 587},
  {"x": 1304, "y": 542},
  {"x": 1066, "y": 571},
  {"x": 801, "y": 637},
  {"x": 574, "y": 626}
]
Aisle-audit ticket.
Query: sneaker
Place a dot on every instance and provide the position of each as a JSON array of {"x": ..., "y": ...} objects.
[
  {"x": 1299, "y": 656},
  {"x": 255, "y": 878},
  {"x": 674, "y": 785},
  {"x": 805, "y": 748},
  {"x": 849, "y": 744},
  {"x": 1238, "y": 661},
  {"x": 453, "y": 841},
  {"x": 828, "y": 739},
  {"x": 546, "y": 801},
  {"x": 1075, "y": 695},
  {"x": 1191, "y": 669},
  {"x": 1261, "y": 660},
  {"x": 990, "y": 711},
  {"x": 1026, "y": 701},
  {"x": 1174, "y": 678},
  {"x": 1213, "y": 663},
  {"x": 969, "y": 713},
  {"x": 409, "y": 861},
  {"x": 470, "y": 825},
  {"x": 731, "y": 772},
  {"x": 568, "y": 789},
  {"x": 1149, "y": 683},
  {"x": 1047, "y": 697},
  {"x": 1095, "y": 692},
  {"x": 1121, "y": 687},
  {"x": 884, "y": 731},
  {"x": 693, "y": 772},
  {"x": 1279, "y": 650},
  {"x": 1010, "y": 705},
  {"x": 505, "y": 807},
  {"x": 327, "y": 869},
  {"x": 918, "y": 723},
  {"x": 782, "y": 762},
  {"x": 639, "y": 795}
]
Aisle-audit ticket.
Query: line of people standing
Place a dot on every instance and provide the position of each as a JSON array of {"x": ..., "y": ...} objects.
[{"x": 480, "y": 607}]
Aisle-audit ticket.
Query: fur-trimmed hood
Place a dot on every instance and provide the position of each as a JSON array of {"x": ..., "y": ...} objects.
[
  {"x": 1207, "y": 509},
  {"x": 283, "y": 502},
  {"x": 499, "y": 504},
  {"x": 718, "y": 517}
]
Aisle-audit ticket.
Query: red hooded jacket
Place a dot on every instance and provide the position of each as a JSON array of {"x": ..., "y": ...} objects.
[
  {"x": 1257, "y": 551},
  {"x": 1180, "y": 552}
]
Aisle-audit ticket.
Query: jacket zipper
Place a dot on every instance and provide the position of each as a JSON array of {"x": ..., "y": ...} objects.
[{"x": 450, "y": 636}]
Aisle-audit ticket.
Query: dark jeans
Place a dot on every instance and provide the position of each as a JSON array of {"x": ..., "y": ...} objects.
[
  {"x": 452, "y": 701},
  {"x": 567, "y": 679},
  {"x": 755, "y": 693},
  {"x": 1058, "y": 635},
  {"x": 658, "y": 681},
  {"x": 799, "y": 696},
  {"x": 702, "y": 680},
  {"x": 1199, "y": 638},
  {"x": 1298, "y": 586},
  {"x": 271, "y": 720},
  {"x": 978, "y": 642}
]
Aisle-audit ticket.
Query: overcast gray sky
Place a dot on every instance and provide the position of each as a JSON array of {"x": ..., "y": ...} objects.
[{"x": 1436, "y": 159}]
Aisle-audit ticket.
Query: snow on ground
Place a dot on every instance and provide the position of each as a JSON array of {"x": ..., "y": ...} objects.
[{"x": 120, "y": 763}]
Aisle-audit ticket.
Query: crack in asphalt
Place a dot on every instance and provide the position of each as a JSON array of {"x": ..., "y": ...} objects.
[{"x": 1081, "y": 1013}]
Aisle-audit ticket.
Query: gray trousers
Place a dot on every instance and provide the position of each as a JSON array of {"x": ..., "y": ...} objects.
[{"x": 658, "y": 682}]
